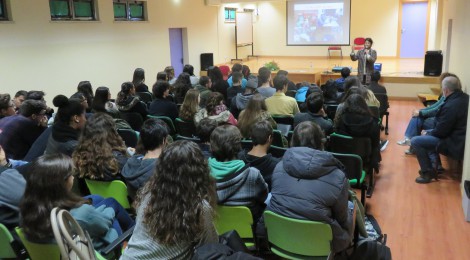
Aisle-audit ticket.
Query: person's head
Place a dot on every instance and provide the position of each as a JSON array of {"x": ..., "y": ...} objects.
[
  {"x": 183, "y": 79},
  {"x": 251, "y": 114},
  {"x": 79, "y": 96},
  {"x": 215, "y": 74},
  {"x": 261, "y": 133},
  {"x": 355, "y": 90},
  {"x": 205, "y": 81},
  {"x": 246, "y": 71},
  {"x": 127, "y": 89},
  {"x": 34, "y": 109},
  {"x": 307, "y": 134},
  {"x": 375, "y": 76},
  {"x": 138, "y": 77},
  {"x": 205, "y": 128},
  {"x": 93, "y": 155},
  {"x": 7, "y": 106},
  {"x": 368, "y": 43},
  {"x": 20, "y": 96},
  {"x": 237, "y": 78},
  {"x": 351, "y": 81},
  {"x": 161, "y": 89},
  {"x": 282, "y": 72},
  {"x": 189, "y": 69},
  {"x": 314, "y": 102},
  {"x": 356, "y": 104},
  {"x": 449, "y": 74},
  {"x": 153, "y": 134},
  {"x": 170, "y": 72},
  {"x": 87, "y": 90},
  {"x": 102, "y": 95},
  {"x": 215, "y": 99},
  {"x": 280, "y": 83},
  {"x": 162, "y": 76},
  {"x": 345, "y": 72},
  {"x": 264, "y": 75},
  {"x": 49, "y": 185},
  {"x": 71, "y": 112},
  {"x": 250, "y": 87},
  {"x": 190, "y": 105},
  {"x": 450, "y": 84},
  {"x": 35, "y": 95},
  {"x": 180, "y": 186},
  {"x": 237, "y": 67},
  {"x": 226, "y": 143}
]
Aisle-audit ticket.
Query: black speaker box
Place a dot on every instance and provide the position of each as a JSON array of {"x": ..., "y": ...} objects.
[
  {"x": 207, "y": 60},
  {"x": 433, "y": 63}
]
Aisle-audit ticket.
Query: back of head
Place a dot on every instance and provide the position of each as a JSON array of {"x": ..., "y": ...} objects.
[
  {"x": 280, "y": 81},
  {"x": 99, "y": 126},
  {"x": 138, "y": 77},
  {"x": 215, "y": 74},
  {"x": 225, "y": 143},
  {"x": 351, "y": 81},
  {"x": 35, "y": 95},
  {"x": 345, "y": 72},
  {"x": 282, "y": 72},
  {"x": 32, "y": 107},
  {"x": 162, "y": 76},
  {"x": 125, "y": 92},
  {"x": 23, "y": 93},
  {"x": 355, "y": 90},
  {"x": 215, "y": 99},
  {"x": 260, "y": 132},
  {"x": 100, "y": 99},
  {"x": 190, "y": 105},
  {"x": 237, "y": 67},
  {"x": 237, "y": 77},
  {"x": 307, "y": 134},
  {"x": 189, "y": 69},
  {"x": 449, "y": 74},
  {"x": 159, "y": 88},
  {"x": 246, "y": 71},
  {"x": 355, "y": 103},
  {"x": 170, "y": 72},
  {"x": 5, "y": 101},
  {"x": 203, "y": 80},
  {"x": 314, "y": 102},
  {"x": 153, "y": 134},
  {"x": 451, "y": 83},
  {"x": 264, "y": 74},
  {"x": 85, "y": 88},
  {"x": 375, "y": 77},
  {"x": 205, "y": 128},
  {"x": 67, "y": 108},
  {"x": 183, "y": 79}
]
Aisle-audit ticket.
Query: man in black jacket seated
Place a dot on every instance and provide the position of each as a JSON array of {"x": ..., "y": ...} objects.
[{"x": 448, "y": 135}]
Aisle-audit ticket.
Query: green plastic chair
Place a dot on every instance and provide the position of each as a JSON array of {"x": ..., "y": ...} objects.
[
  {"x": 237, "y": 218},
  {"x": 298, "y": 239},
  {"x": 110, "y": 189},
  {"x": 6, "y": 251},
  {"x": 168, "y": 122},
  {"x": 353, "y": 169}
]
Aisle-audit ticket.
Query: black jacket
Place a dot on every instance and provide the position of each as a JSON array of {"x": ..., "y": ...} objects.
[
  {"x": 163, "y": 107},
  {"x": 265, "y": 164}
]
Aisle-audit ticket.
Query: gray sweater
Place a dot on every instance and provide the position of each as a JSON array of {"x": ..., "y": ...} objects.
[{"x": 12, "y": 186}]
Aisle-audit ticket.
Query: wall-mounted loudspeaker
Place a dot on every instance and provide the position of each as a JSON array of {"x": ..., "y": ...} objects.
[
  {"x": 207, "y": 60},
  {"x": 433, "y": 63}
]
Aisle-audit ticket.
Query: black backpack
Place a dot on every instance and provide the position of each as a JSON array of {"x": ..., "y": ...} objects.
[{"x": 371, "y": 250}]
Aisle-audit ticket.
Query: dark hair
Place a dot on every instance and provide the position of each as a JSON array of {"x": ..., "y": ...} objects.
[
  {"x": 215, "y": 74},
  {"x": 159, "y": 88},
  {"x": 67, "y": 109},
  {"x": 125, "y": 92},
  {"x": 237, "y": 67},
  {"x": 246, "y": 71},
  {"x": 203, "y": 80},
  {"x": 369, "y": 40},
  {"x": 449, "y": 74},
  {"x": 251, "y": 114},
  {"x": 100, "y": 99},
  {"x": 375, "y": 76},
  {"x": 280, "y": 81},
  {"x": 263, "y": 75},
  {"x": 87, "y": 90},
  {"x": 351, "y": 81},
  {"x": 355, "y": 90},
  {"x": 45, "y": 189},
  {"x": 181, "y": 186},
  {"x": 282, "y": 72},
  {"x": 260, "y": 132},
  {"x": 189, "y": 69},
  {"x": 205, "y": 128},
  {"x": 32, "y": 107},
  {"x": 345, "y": 72},
  {"x": 138, "y": 77},
  {"x": 213, "y": 100},
  {"x": 181, "y": 86},
  {"x": 314, "y": 102},
  {"x": 356, "y": 104},
  {"x": 237, "y": 77},
  {"x": 307, "y": 134},
  {"x": 162, "y": 76},
  {"x": 225, "y": 143},
  {"x": 5, "y": 100},
  {"x": 35, "y": 95},
  {"x": 23, "y": 93},
  {"x": 153, "y": 133},
  {"x": 170, "y": 72}
]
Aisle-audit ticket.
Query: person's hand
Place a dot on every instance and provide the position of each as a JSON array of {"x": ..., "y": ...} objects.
[
  {"x": 415, "y": 113},
  {"x": 3, "y": 157},
  {"x": 424, "y": 132}
]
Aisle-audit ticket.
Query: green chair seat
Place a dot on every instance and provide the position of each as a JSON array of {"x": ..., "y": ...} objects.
[
  {"x": 110, "y": 189},
  {"x": 6, "y": 251},
  {"x": 237, "y": 218}
]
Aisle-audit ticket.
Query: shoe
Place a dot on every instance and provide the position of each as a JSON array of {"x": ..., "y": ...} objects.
[
  {"x": 409, "y": 152},
  {"x": 383, "y": 145},
  {"x": 405, "y": 141},
  {"x": 426, "y": 177}
]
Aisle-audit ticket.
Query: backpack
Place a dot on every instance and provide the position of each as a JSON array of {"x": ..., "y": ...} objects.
[{"x": 371, "y": 250}]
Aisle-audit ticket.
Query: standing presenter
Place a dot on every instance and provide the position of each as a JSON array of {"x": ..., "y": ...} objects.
[{"x": 366, "y": 58}]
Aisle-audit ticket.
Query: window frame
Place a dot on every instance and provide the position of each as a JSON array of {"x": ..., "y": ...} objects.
[
  {"x": 230, "y": 10},
  {"x": 128, "y": 4},
  {"x": 72, "y": 12},
  {"x": 5, "y": 16}
]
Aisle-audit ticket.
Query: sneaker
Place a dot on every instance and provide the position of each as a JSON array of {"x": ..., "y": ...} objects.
[
  {"x": 405, "y": 141},
  {"x": 383, "y": 145}
]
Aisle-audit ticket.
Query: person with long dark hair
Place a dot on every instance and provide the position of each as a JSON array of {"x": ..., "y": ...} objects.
[
  {"x": 86, "y": 89},
  {"x": 128, "y": 102},
  {"x": 102, "y": 103},
  {"x": 181, "y": 86},
  {"x": 138, "y": 79},
  {"x": 218, "y": 83},
  {"x": 188, "y": 68},
  {"x": 176, "y": 206}
]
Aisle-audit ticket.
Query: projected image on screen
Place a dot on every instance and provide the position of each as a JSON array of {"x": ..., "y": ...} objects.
[{"x": 317, "y": 22}]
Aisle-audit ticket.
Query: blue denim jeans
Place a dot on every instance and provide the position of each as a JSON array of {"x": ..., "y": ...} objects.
[
  {"x": 417, "y": 124},
  {"x": 424, "y": 147}
]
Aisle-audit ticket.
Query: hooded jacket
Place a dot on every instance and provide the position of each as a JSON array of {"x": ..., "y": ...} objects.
[
  {"x": 12, "y": 187},
  {"x": 137, "y": 171},
  {"x": 309, "y": 184},
  {"x": 265, "y": 164}
]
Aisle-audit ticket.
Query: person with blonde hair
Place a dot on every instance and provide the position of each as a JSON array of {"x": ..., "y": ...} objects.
[{"x": 190, "y": 105}]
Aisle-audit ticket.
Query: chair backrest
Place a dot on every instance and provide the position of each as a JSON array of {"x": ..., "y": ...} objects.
[
  {"x": 375, "y": 111},
  {"x": 185, "y": 128},
  {"x": 351, "y": 145},
  {"x": 284, "y": 119},
  {"x": 291, "y": 93},
  {"x": 135, "y": 120},
  {"x": 277, "y": 138},
  {"x": 6, "y": 251},
  {"x": 146, "y": 97},
  {"x": 193, "y": 139},
  {"x": 277, "y": 151},
  {"x": 129, "y": 136},
  {"x": 303, "y": 237},
  {"x": 110, "y": 189},
  {"x": 247, "y": 144},
  {"x": 352, "y": 167},
  {"x": 237, "y": 218},
  {"x": 359, "y": 41},
  {"x": 39, "y": 251},
  {"x": 383, "y": 99},
  {"x": 331, "y": 110},
  {"x": 168, "y": 122}
]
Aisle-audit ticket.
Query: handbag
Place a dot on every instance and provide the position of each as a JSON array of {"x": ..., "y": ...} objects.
[{"x": 73, "y": 242}]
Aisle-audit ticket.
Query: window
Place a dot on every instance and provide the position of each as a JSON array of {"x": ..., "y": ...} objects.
[
  {"x": 230, "y": 15},
  {"x": 128, "y": 10},
  {"x": 72, "y": 9},
  {"x": 3, "y": 10}
]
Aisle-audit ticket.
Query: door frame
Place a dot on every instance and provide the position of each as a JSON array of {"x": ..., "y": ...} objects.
[
  {"x": 400, "y": 23},
  {"x": 184, "y": 44}
]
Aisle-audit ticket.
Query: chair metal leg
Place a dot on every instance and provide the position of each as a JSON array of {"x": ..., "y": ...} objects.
[
  {"x": 371, "y": 184},
  {"x": 386, "y": 123}
]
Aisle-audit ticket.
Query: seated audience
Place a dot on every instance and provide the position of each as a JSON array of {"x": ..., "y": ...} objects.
[
  {"x": 204, "y": 131},
  {"x": 301, "y": 94},
  {"x": 39, "y": 95},
  {"x": 48, "y": 186},
  {"x": 216, "y": 109},
  {"x": 345, "y": 72},
  {"x": 315, "y": 113},
  {"x": 236, "y": 87},
  {"x": 330, "y": 92},
  {"x": 128, "y": 102},
  {"x": 69, "y": 121},
  {"x": 190, "y": 105},
  {"x": 264, "y": 83},
  {"x": 309, "y": 184},
  {"x": 138, "y": 79},
  {"x": 290, "y": 85},
  {"x": 161, "y": 75},
  {"x": 7, "y": 106},
  {"x": 240, "y": 101},
  {"x": 218, "y": 82},
  {"x": 238, "y": 184},
  {"x": 248, "y": 75},
  {"x": 102, "y": 103},
  {"x": 20, "y": 96},
  {"x": 255, "y": 111},
  {"x": 190, "y": 70},
  {"x": 170, "y": 74},
  {"x": 258, "y": 156},
  {"x": 140, "y": 167},
  {"x": 448, "y": 135},
  {"x": 175, "y": 208},
  {"x": 18, "y": 132},
  {"x": 205, "y": 89},
  {"x": 279, "y": 103},
  {"x": 100, "y": 153},
  {"x": 86, "y": 89},
  {"x": 181, "y": 86},
  {"x": 237, "y": 67},
  {"x": 161, "y": 106}
]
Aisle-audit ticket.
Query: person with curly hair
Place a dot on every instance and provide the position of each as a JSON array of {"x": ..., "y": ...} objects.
[
  {"x": 190, "y": 105},
  {"x": 255, "y": 111},
  {"x": 175, "y": 207},
  {"x": 161, "y": 106},
  {"x": 101, "y": 152},
  {"x": 7, "y": 106},
  {"x": 215, "y": 109}
]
